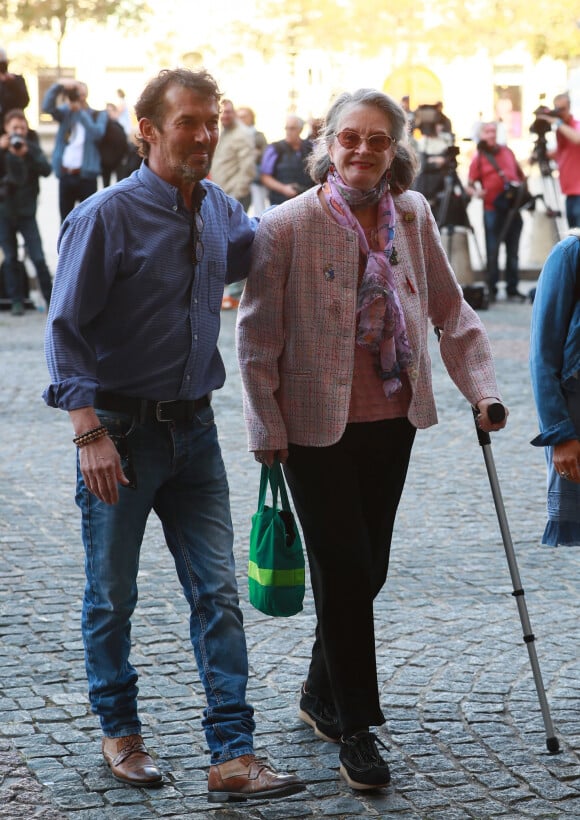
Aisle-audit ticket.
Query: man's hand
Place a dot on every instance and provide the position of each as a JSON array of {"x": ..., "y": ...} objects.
[
  {"x": 101, "y": 470},
  {"x": 99, "y": 461},
  {"x": 478, "y": 193}
]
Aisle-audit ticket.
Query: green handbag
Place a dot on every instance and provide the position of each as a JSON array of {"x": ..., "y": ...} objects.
[{"x": 276, "y": 567}]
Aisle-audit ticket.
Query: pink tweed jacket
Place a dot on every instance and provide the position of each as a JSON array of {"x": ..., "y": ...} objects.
[{"x": 297, "y": 320}]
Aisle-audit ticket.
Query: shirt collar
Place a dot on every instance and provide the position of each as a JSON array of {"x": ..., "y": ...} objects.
[{"x": 165, "y": 190}]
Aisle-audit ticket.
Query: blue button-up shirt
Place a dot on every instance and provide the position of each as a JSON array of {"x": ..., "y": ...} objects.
[{"x": 130, "y": 310}]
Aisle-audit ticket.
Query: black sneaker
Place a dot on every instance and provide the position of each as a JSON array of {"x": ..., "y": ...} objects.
[
  {"x": 516, "y": 295},
  {"x": 361, "y": 764},
  {"x": 321, "y": 715}
]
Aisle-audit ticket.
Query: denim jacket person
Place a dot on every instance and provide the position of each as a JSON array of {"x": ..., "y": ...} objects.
[
  {"x": 555, "y": 344},
  {"x": 94, "y": 127}
]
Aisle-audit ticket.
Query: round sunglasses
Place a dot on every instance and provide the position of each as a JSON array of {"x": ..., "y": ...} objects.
[{"x": 375, "y": 142}]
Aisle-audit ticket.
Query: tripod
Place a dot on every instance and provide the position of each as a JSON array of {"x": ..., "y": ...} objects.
[
  {"x": 551, "y": 192},
  {"x": 450, "y": 207},
  {"x": 440, "y": 185}
]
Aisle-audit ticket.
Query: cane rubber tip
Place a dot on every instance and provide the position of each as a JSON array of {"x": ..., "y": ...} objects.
[{"x": 553, "y": 745}]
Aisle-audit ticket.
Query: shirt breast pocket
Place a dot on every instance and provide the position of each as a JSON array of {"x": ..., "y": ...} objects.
[{"x": 215, "y": 287}]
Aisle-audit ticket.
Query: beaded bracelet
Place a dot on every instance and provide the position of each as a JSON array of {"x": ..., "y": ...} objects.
[{"x": 91, "y": 435}]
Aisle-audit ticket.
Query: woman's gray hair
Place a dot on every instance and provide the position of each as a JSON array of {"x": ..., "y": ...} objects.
[{"x": 404, "y": 165}]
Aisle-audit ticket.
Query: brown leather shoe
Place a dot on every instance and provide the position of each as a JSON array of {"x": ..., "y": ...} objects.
[
  {"x": 130, "y": 762},
  {"x": 246, "y": 777}
]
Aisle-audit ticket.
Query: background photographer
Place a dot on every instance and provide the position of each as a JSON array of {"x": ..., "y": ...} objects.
[
  {"x": 567, "y": 153},
  {"x": 13, "y": 90},
  {"x": 438, "y": 161},
  {"x": 75, "y": 160},
  {"x": 492, "y": 168},
  {"x": 22, "y": 162}
]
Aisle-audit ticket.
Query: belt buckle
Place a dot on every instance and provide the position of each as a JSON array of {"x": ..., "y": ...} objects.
[{"x": 159, "y": 411}]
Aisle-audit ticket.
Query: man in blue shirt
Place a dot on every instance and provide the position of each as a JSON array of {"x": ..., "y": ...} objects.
[{"x": 132, "y": 352}]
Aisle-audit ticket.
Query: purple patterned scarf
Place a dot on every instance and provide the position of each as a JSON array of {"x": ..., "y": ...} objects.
[{"x": 381, "y": 325}]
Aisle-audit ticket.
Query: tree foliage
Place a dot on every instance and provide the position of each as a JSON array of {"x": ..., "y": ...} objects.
[
  {"x": 54, "y": 16},
  {"x": 543, "y": 27},
  {"x": 447, "y": 28}
]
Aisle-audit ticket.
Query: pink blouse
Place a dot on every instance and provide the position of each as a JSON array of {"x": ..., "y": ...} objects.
[{"x": 367, "y": 399}]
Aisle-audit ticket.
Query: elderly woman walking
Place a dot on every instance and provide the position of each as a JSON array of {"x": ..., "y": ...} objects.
[{"x": 332, "y": 340}]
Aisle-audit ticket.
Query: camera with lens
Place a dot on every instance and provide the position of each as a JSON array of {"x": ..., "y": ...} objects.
[
  {"x": 16, "y": 141},
  {"x": 73, "y": 94},
  {"x": 541, "y": 127}
]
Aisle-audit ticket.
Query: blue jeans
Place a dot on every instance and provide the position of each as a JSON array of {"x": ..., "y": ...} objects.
[
  {"x": 176, "y": 470},
  {"x": 493, "y": 223},
  {"x": 28, "y": 228},
  {"x": 573, "y": 210}
]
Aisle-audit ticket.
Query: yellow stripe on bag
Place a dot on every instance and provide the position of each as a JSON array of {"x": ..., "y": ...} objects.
[{"x": 276, "y": 577}]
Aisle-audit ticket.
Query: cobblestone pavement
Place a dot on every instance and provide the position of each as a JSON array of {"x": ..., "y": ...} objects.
[{"x": 464, "y": 728}]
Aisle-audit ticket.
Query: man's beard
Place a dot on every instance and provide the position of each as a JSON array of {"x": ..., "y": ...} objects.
[
  {"x": 180, "y": 168},
  {"x": 189, "y": 174}
]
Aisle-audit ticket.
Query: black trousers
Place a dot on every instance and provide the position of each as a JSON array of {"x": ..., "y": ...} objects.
[
  {"x": 346, "y": 498},
  {"x": 72, "y": 190}
]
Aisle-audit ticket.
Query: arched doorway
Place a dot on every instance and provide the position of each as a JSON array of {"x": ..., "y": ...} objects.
[{"x": 421, "y": 85}]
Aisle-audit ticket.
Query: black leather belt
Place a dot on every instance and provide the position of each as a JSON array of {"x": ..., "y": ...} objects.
[{"x": 147, "y": 410}]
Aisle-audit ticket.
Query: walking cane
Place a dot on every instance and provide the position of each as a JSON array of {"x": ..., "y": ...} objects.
[{"x": 496, "y": 414}]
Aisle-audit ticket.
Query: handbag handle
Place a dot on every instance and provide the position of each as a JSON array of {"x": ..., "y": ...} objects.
[{"x": 275, "y": 477}]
